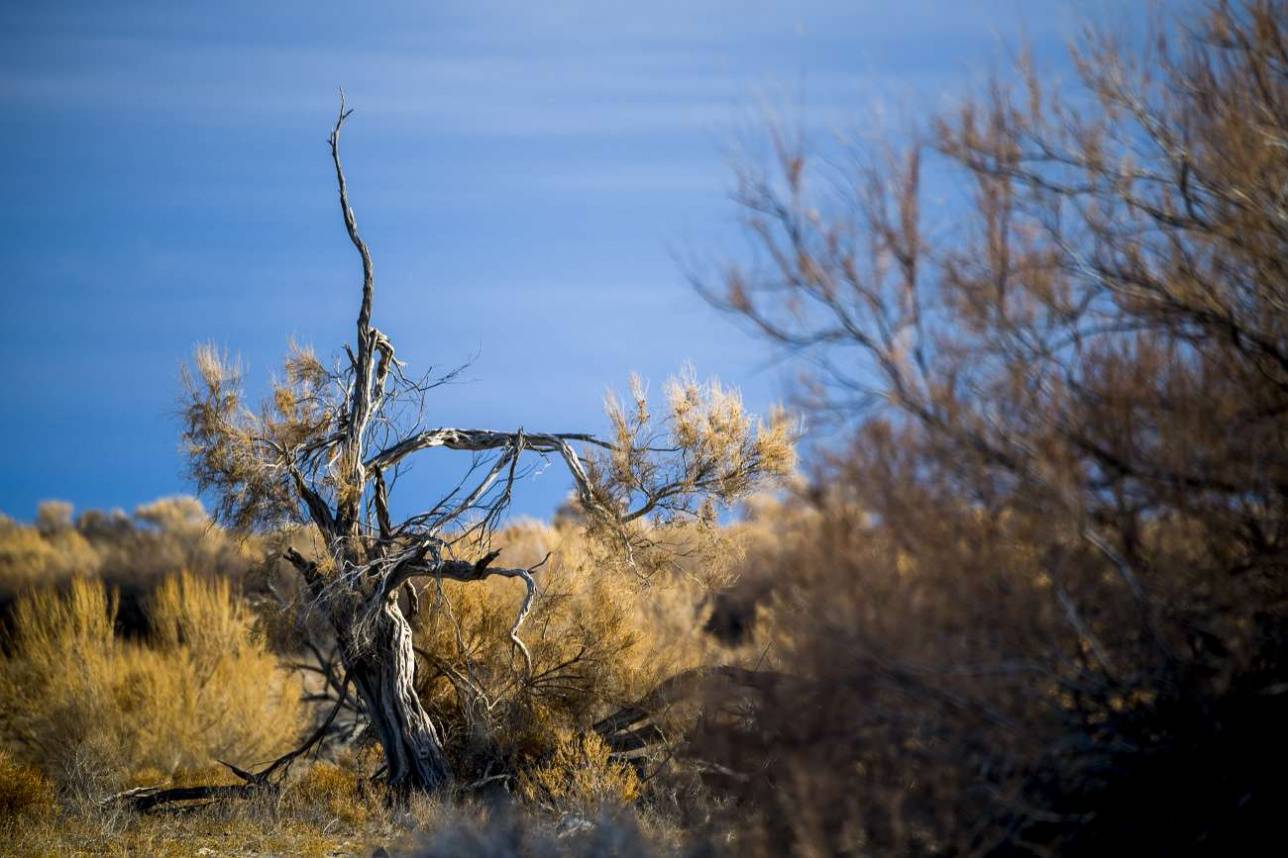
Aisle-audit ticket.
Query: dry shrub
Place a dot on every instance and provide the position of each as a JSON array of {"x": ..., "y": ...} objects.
[
  {"x": 130, "y": 553},
  {"x": 26, "y": 795},
  {"x": 902, "y": 687},
  {"x": 96, "y": 711},
  {"x": 326, "y": 792},
  {"x": 46, "y": 553},
  {"x": 927, "y": 692},
  {"x": 599, "y": 636},
  {"x": 579, "y": 775},
  {"x": 1043, "y": 608}
]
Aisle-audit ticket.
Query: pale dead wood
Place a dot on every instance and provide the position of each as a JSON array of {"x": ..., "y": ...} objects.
[{"x": 327, "y": 450}]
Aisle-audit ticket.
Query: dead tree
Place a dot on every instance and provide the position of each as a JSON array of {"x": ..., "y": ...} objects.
[{"x": 326, "y": 449}]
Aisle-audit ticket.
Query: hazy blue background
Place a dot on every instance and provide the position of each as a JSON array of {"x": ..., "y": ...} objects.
[{"x": 522, "y": 172}]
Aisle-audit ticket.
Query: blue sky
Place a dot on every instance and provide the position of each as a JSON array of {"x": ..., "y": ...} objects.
[{"x": 523, "y": 172}]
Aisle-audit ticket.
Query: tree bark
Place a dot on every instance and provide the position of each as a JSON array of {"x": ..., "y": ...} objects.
[{"x": 384, "y": 674}]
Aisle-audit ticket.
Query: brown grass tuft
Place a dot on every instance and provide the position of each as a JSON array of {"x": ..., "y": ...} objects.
[{"x": 26, "y": 795}]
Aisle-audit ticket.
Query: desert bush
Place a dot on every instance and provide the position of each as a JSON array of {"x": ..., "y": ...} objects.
[
  {"x": 26, "y": 795},
  {"x": 96, "y": 712},
  {"x": 326, "y": 792},
  {"x": 930, "y": 694},
  {"x": 132, "y": 554},
  {"x": 1040, "y": 605},
  {"x": 579, "y": 775},
  {"x": 599, "y": 638},
  {"x": 902, "y": 688},
  {"x": 46, "y": 553}
]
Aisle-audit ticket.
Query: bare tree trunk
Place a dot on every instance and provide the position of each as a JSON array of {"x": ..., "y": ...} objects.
[{"x": 384, "y": 674}]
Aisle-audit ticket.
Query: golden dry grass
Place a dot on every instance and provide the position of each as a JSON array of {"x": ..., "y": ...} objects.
[{"x": 88, "y": 712}]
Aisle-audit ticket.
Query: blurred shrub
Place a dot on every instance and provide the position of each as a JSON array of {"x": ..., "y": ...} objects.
[
  {"x": 1041, "y": 608},
  {"x": 47, "y": 552},
  {"x": 130, "y": 553},
  {"x": 903, "y": 688},
  {"x": 925, "y": 690},
  {"x": 511, "y": 834}
]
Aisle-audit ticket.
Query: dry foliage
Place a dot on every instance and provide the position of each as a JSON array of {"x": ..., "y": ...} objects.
[
  {"x": 26, "y": 795},
  {"x": 599, "y": 639},
  {"x": 130, "y": 553},
  {"x": 1042, "y": 606},
  {"x": 327, "y": 792},
  {"x": 97, "y": 712},
  {"x": 579, "y": 776}
]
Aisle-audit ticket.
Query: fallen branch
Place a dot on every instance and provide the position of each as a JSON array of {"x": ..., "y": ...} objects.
[{"x": 255, "y": 783}]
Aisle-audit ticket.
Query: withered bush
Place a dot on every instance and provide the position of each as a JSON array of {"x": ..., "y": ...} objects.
[
  {"x": 580, "y": 775},
  {"x": 1039, "y": 603},
  {"x": 97, "y": 712},
  {"x": 599, "y": 637},
  {"x": 904, "y": 689},
  {"x": 326, "y": 792},
  {"x": 131, "y": 554},
  {"x": 26, "y": 795},
  {"x": 47, "y": 552}
]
